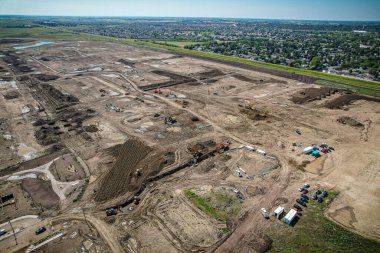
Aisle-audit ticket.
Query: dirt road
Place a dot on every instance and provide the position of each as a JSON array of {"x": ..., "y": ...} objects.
[{"x": 107, "y": 232}]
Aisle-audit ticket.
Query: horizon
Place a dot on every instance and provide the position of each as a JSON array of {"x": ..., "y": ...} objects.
[
  {"x": 302, "y": 10},
  {"x": 186, "y": 17}
]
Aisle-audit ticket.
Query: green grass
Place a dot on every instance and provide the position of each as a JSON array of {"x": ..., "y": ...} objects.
[
  {"x": 180, "y": 44},
  {"x": 316, "y": 233},
  {"x": 220, "y": 207},
  {"x": 361, "y": 86},
  {"x": 82, "y": 190}
]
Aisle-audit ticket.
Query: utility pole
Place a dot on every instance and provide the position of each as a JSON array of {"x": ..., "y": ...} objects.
[{"x": 14, "y": 234}]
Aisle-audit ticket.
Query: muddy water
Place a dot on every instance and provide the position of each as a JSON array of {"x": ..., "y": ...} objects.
[{"x": 34, "y": 45}]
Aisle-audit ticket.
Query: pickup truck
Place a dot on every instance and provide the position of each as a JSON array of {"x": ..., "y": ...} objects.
[{"x": 265, "y": 213}]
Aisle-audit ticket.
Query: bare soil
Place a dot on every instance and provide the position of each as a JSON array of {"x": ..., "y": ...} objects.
[{"x": 41, "y": 192}]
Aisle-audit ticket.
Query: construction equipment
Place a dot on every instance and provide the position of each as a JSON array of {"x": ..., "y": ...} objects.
[
  {"x": 170, "y": 120},
  {"x": 111, "y": 211}
]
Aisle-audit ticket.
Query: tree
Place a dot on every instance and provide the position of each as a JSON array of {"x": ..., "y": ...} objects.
[{"x": 315, "y": 63}]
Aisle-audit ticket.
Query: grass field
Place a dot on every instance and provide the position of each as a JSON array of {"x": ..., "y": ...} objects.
[
  {"x": 360, "y": 86},
  {"x": 316, "y": 233},
  {"x": 180, "y": 44},
  {"x": 220, "y": 200}
]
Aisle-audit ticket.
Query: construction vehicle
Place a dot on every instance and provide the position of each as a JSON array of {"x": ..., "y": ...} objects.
[
  {"x": 222, "y": 147},
  {"x": 170, "y": 120},
  {"x": 264, "y": 213},
  {"x": 111, "y": 211}
]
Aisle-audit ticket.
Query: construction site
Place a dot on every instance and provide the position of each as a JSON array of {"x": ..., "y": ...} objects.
[{"x": 114, "y": 148}]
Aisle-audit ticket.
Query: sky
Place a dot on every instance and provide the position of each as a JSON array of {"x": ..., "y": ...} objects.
[{"x": 363, "y": 10}]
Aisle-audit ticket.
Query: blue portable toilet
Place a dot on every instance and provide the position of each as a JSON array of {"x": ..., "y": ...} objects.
[{"x": 316, "y": 153}]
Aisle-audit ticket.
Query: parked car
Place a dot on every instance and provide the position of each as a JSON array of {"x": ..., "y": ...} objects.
[
  {"x": 265, "y": 213},
  {"x": 301, "y": 202},
  {"x": 40, "y": 230},
  {"x": 297, "y": 207},
  {"x": 304, "y": 200},
  {"x": 2, "y": 232},
  {"x": 324, "y": 194},
  {"x": 320, "y": 200},
  {"x": 318, "y": 192},
  {"x": 304, "y": 196},
  {"x": 315, "y": 196},
  {"x": 301, "y": 189},
  {"x": 305, "y": 191},
  {"x": 306, "y": 185}
]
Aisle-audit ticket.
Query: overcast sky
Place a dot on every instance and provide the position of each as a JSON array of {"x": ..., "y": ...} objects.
[{"x": 271, "y": 9}]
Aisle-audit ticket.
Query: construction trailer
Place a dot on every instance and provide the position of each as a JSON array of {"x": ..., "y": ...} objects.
[
  {"x": 260, "y": 152},
  {"x": 277, "y": 213},
  {"x": 290, "y": 216}
]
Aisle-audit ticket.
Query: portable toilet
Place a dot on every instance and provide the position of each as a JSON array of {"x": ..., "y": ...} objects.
[
  {"x": 308, "y": 150},
  {"x": 277, "y": 213},
  {"x": 290, "y": 216},
  {"x": 316, "y": 153}
]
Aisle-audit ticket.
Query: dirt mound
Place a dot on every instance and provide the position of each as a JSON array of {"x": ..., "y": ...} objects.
[
  {"x": 347, "y": 99},
  {"x": 127, "y": 62},
  {"x": 12, "y": 94},
  {"x": 45, "y": 78},
  {"x": 90, "y": 129},
  {"x": 71, "y": 119},
  {"x": 209, "y": 74},
  {"x": 175, "y": 79},
  {"x": 16, "y": 64},
  {"x": 244, "y": 78},
  {"x": 169, "y": 159},
  {"x": 123, "y": 176},
  {"x": 254, "y": 113},
  {"x": 311, "y": 94},
  {"x": 41, "y": 192},
  {"x": 349, "y": 121}
]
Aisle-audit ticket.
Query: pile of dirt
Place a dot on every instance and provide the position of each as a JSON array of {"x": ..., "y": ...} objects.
[
  {"x": 175, "y": 79},
  {"x": 45, "y": 78},
  {"x": 47, "y": 135},
  {"x": 202, "y": 147},
  {"x": 244, "y": 78},
  {"x": 261, "y": 243},
  {"x": 127, "y": 62},
  {"x": 169, "y": 159},
  {"x": 254, "y": 113},
  {"x": 312, "y": 94},
  {"x": 349, "y": 121},
  {"x": 346, "y": 99},
  {"x": 122, "y": 177},
  {"x": 90, "y": 129},
  {"x": 12, "y": 94},
  {"x": 16, "y": 64},
  {"x": 209, "y": 74},
  {"x": 49, "y": 131}
]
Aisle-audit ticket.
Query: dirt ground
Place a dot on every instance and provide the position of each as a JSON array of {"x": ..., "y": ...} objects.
[
  {"x": 23, "y": 203},
  {"x": 99, "y": 102},
  {"x": 41, "y": 192},
  {"x": 66, "y": 168}
]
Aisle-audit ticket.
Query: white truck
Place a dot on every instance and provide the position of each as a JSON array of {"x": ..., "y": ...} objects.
[{"x": 265, "y": 213}]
